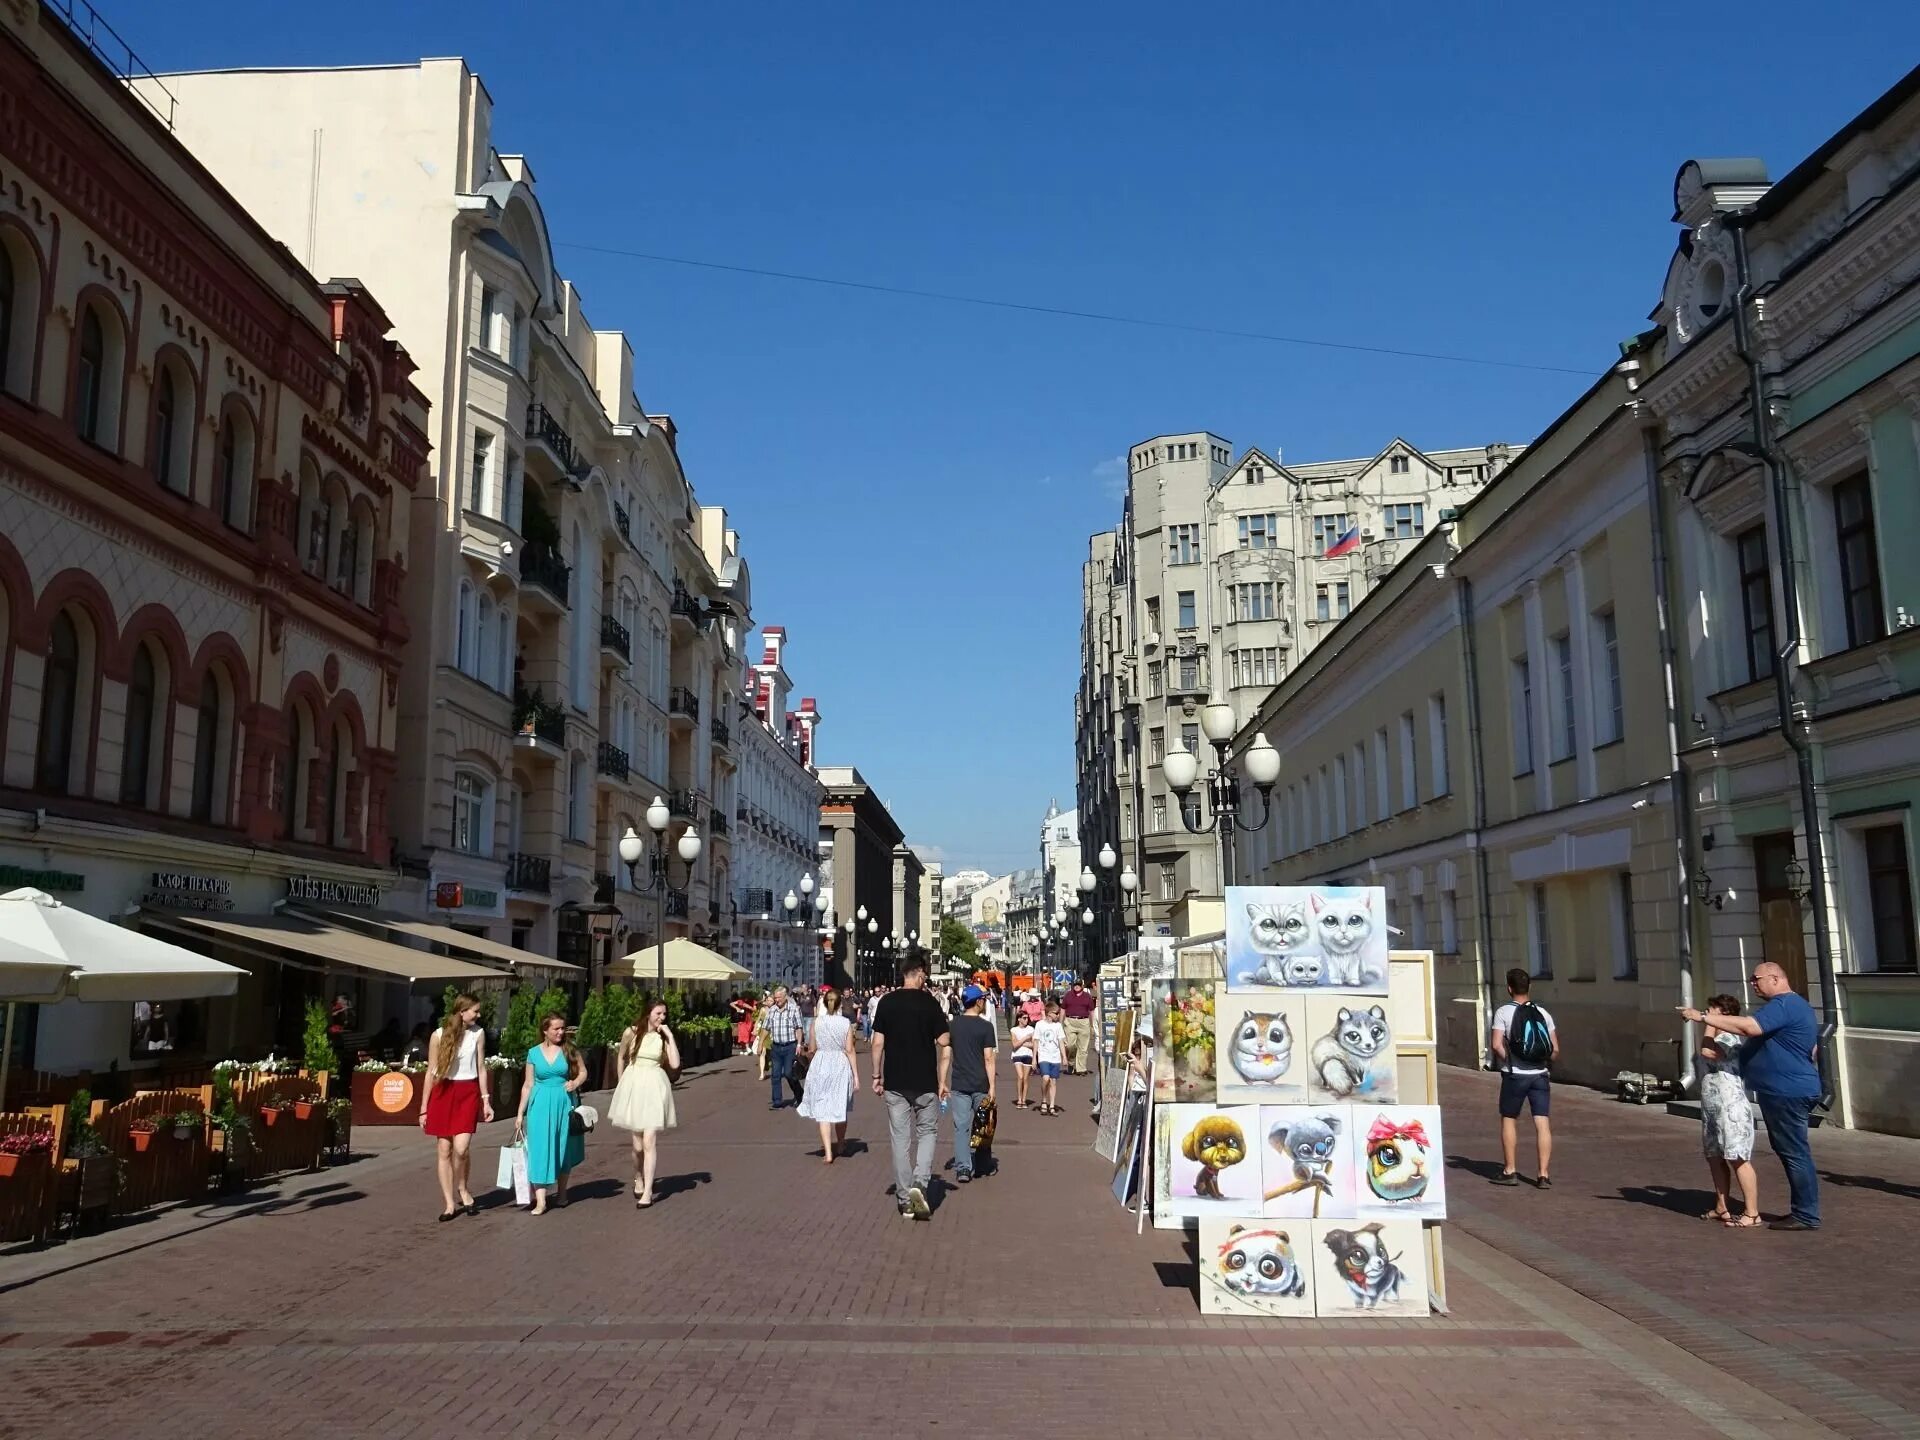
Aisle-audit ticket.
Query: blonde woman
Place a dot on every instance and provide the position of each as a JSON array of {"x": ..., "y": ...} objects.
[
  {"x": 762, "y": 1050},
  {"x": 642, "y": 1101},
  {"x": 453, "y": 1101},
  {"x": 832, "y": 1076}
]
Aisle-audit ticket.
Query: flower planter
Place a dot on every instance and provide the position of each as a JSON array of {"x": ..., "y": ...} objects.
[
  {"x": 270, "y": 1116},
  {"x": 185, "y": 1132},
  {"x": 9, "y": 1164},
  {"x": 303, "y": 1109},
  {"x": 141, "y": 1140}
]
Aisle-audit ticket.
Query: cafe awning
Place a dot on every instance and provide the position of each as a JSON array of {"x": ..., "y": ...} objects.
[
  {"x": 475, "y": 945},
  {"x": 102, "y": 961},
  {"x": 684, "y": 961},
  {"x": 273, "y": 937}
]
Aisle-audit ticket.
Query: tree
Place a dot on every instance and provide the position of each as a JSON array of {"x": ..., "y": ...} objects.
[
  {"x": 318, "y": 1044},
  {"x": 957, "y": 944}
]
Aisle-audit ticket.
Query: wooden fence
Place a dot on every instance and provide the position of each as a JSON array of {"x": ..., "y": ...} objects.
[
  {"x": 29, "y": 1198},
  {"x": 290, "y": 1142},
  {"x": 170, "y": 1163}
]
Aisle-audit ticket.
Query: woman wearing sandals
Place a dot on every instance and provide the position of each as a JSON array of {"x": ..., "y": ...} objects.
[
  {"x": 545, "y": 1126},
  {"x": 833, "y": 1075},
  {"x": 1726, "y": 1120},
  {"x": 454, "y": 1101},
  {"x": 643, "y": 1093},
  {"x": 1021, "y": 1036}
]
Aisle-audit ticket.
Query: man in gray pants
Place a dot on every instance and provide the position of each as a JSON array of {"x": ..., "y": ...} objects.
[{"x": 912, "y": 1064}]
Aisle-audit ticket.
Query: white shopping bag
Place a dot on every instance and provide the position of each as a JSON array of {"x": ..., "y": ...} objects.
[{"x": 512, "y": 1171}]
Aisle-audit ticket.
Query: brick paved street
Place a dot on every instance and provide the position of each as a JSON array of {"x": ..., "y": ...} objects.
[{"x": 765, "y": 1290}]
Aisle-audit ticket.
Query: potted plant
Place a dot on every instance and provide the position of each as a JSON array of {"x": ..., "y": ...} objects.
[
  {"x": 317, "y": 1044},
  {"x": 19, "y": 1146},
  {"x": 141, "y": 1132},
  {"x": 270, "y": 1113},
  {"x": 340, "y": 1125},
  {"x": 187, "y": 1124}
]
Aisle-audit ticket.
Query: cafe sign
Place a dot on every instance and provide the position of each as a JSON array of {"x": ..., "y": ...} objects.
[
  {"x": 177, "y": 890},
  {"x": 315, "y": 890},
  {"x": 13, "y": 877},
  {"x": 458, "y": 895}
]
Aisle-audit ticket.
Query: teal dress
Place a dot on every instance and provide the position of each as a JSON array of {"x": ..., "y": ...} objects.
[{"x": 553, "y": 1147}]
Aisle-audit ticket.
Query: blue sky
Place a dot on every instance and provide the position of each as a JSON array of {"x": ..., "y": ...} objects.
[{"x": 915, "y": 481}]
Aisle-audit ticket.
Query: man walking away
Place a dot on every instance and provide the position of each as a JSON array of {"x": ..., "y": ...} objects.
[
  {"x": 1077, "y": 1005},
  {"x": 912, "y": 1060},
  {"x": 1525, "y": 1045},
  {"x": 808, "y": 1006},
  {"x": 972, "y": 1044},
  {"x": 782, "y": 1024},
  {"x": 1784, "y": 1073}
]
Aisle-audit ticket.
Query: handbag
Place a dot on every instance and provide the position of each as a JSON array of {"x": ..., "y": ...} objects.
[
  {"x": 582, "y": 1118},
  {"x": 797, "y": 1077},
  {"x": 985, "y": 1122},
  {"x": 512, "y": 1171}
]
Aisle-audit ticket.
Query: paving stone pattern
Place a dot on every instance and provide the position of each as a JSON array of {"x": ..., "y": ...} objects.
[{"x": 765, "y": 1291}]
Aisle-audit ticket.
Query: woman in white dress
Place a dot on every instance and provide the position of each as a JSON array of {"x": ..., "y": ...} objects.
[
  {"x": 643, "y": 1093},
  {"x": 833, "y": 1075}
]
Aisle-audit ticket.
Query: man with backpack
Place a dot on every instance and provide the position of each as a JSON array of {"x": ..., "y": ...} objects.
[{"x": 1524, "y": 1045}]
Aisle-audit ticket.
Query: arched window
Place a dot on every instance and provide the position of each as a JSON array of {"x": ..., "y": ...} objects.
[
  {"x": 233, "y": 469},
  {"x": 484, "y": 651},
  {"x": 59, "y": 702},
  {"x": 166, "y": 415},
  {"x": 464, "y": 625},
  {"x": 310, "y": 536},
  {"x": 363, "y": 539},
  {"x": 339, "y": 777},
  {"x": 207, "y": 751},
  {"x": 89, "y": 379},
  {"x": 7, "y": 301},
  {"x": 503, "y": 662},
  {"x": 136, "y": 748},
  {"x": 299, "y": 736},
  {"x": 472, "y": 828}
]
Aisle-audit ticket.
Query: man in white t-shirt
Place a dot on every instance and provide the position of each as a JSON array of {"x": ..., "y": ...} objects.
[{"x": 1525, "y": 1044}]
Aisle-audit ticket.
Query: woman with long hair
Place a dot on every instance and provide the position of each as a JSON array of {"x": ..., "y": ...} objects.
[
  {"x": 555, "y": 1073},
  {"x": 833, "y": 1075},
  {"x": 453, "y": 1100},
  {"x": 643, "y": 1092}
]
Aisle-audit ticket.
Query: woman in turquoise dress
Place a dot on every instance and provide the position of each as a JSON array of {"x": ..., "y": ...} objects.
[{"x": 554, "y": 1072}]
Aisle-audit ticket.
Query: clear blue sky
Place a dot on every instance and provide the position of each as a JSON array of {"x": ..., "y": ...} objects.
[{"x": 914, "y": 481}]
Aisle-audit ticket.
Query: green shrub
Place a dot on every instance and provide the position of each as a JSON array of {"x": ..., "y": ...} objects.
[
  {"x": 317, "y": 1043},
  {"x": 520, "y": 1034}
]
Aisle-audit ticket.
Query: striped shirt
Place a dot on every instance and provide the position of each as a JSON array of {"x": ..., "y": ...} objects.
[{"x": 782, "y": 1023}]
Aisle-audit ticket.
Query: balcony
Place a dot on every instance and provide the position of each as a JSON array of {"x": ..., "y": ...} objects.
[
  {"x": 676, "y": 904},
  {"x": 720, "y": 733},
  {"x": 545, "y": 431},
  {"x": 686, "y": 610},
  {"x": 683, "y": 704},
  {"x": 623, "y": 522},
  {"x": 717, "y": 822},
  {"x": 753, "y": 901},
  {"x": 616, "y": 642},
  {"x": 611, "y": 760},
  {"x": 542, "y": 569},
  {"x": 529, "y": 872},
  {"x": 682, "y": 805},
  {"x": 713, "y": 912},
  {"x": 538, "y": 723}
]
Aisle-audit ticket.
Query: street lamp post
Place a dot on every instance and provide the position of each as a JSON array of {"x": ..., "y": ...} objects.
[
  {"x": 1262, "y": 764},
  {"x": 632, "y": 847},
  {"x": 1090, "y": 885},
  {"x": 804, "y": 908}
]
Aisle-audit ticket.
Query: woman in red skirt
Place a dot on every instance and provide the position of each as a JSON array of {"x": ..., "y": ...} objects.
[{"x": 455, "y": 1101}]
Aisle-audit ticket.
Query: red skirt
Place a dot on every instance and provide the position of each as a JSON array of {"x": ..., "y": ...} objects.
[{"x": 453, "y": 1108}]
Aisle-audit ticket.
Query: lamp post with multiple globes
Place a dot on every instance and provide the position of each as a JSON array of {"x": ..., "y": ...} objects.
[
  {"x": 805, "y": 910},
  {"x": 632, "y": 848},
  {"x": 1090, "y": 884},
  {"x": 1261, "y": 763}
]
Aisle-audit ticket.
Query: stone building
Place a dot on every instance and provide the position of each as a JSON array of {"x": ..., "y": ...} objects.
[{"x": 858, "y": 841}]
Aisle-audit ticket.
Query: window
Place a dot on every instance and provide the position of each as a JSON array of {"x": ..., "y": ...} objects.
[
  {"x": 1383, "y": 806},
  {"x": 469, "y": 812},
  {"x": 1340, "y": 795},
  {"x": 1449, "y": 923},
  {"x": 1409, "y": 787},
  {"x": 1184, "y": 603},
  {"x": 295, "y": 798},
  {"x": 1520, "y": 681},
  {"x": 1157, "y": 744},
  {"x": 136, "y": 750},
  {"x": 1259, "y": 532},
  {"x": 1564, "y": 743},
  {"x": 465, "y": 639},
  {"x": 482, "y": 465},
  {"x": 1890, "y": 898},
  {"x": 1255, "y": 600},
  {"x": 1166, "y": 879},
  {"x": 1612, "y": 717},
  {"x": 1255, "y": 667},
  {"x": 1756, "y": 600},
  {"x": 1342, "y": 602},
  {"x": 1397, "y": 464},
  {"x": 226, "y": 471},
  {"x": 1160, "y": 814},
  {"x": 1859, "y": 560},
  {"x": 206, "y": 751},
  {"x": 1327, "y": 530},
  {"x": 1189, "y": 674},
  {"x": 1323, "y": 829},
  {"x": 1626, "y": 960},
  {"x": 1360, "y": 787},
  {"x": 1154, "y": 687},
  {"x": 1539, "y": 934},
  {"x": 1404, "y": 522},
  {"x": 1437, "y": 743},
  {"x": 7, "y": 305},
  {"x": 1190, "y": 810},
  {"x": 1183, "y": 544},
  {"x": 59, "y": 702},
  {"x": 1190, "y": 739},
  {"x": 1256, "y": 475},
  {"x": 1417, "y": 909},
  {"x": 1153, "y": 615},
  {"x": 89, "y": 377},
  {"x": 166, "y": 407},
  {"x": 1323, "y": 602}
]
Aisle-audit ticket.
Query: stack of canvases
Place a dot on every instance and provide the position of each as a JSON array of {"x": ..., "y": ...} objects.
[{"x": 1277, "y": 1122}]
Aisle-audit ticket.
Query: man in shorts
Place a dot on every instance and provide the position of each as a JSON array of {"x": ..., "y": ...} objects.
[{"x": 1524, "y": 1059}]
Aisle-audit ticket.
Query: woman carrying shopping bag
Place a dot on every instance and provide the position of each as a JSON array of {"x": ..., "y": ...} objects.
[{"x": 554, "y": 1144}]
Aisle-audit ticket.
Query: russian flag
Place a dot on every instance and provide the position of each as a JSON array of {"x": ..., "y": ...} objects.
[{"x": 1345, "y": 545}]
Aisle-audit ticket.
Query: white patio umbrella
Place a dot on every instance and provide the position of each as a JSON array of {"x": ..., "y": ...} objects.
[{"x": 94, "y": 960}]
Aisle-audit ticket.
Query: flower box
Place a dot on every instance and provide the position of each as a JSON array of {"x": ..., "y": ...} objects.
[
  {"x": 185, "y": 1132},
  {"x": 270, "y": 1116},
  {"x": 303, "y": 1109},
  {"x": 141, "y": 1140},
  {"x": 9, "y": 1164}
]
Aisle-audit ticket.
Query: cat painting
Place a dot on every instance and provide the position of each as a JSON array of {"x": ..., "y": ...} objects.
[
  {"x": 1343, "y": 927},
  {"x": 1306, "y": 938},
  {"x": 1352, "y": 1056},
  {"x": 1277, "y": 933},
  {"x": 1262, "y": 1046}
]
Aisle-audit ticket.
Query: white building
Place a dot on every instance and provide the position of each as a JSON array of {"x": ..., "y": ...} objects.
[{"x": 1060, "y": 862}]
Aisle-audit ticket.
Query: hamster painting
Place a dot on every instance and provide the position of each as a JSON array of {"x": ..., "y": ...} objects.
[
  {"x": 1345, "y": 1059},
  {"x": 1261, "y": 1048}
]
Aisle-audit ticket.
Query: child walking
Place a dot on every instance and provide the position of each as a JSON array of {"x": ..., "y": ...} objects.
[{"x": 1050, "y": 1046}]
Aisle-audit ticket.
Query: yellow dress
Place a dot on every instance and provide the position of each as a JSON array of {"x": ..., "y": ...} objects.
[{"x": 643, "y": 1100}]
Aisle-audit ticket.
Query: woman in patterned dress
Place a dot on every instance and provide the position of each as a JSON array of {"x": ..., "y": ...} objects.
[{"x": 1726, "y": 1121}]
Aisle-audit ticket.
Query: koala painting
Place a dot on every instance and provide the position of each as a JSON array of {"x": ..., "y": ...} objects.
[{"x": 1307, "y": 1158}]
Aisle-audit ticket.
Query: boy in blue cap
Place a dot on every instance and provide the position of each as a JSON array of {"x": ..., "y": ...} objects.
[{"x": 972, "y": 1040}]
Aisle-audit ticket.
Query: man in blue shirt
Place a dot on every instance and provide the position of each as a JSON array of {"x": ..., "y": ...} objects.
[{"x": 1785, "y": 1079}]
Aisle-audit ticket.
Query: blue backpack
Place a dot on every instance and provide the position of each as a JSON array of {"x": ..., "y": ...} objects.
[{"x": 1529, "y": 1038}]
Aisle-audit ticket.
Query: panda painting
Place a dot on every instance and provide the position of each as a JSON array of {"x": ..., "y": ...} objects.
[{"x": 1250, "y": 1269}]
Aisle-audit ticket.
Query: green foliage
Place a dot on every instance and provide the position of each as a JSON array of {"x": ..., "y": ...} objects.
[
  {"x": 316, "y": 1043},
  {"x": 623, "y": 1005},
  {"x": 552, "y": 1001},
  {"x": 676, "y": 1003},
  {"x": 957, "y": 944},
  {"x": 81, "y": 1106},
  {"x": 453, "y": 992},
  {"x": 519, "y": 1034}
]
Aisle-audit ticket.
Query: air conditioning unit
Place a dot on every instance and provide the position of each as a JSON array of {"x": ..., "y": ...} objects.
[
  {"x": 1152, "y": 640},
  {"x": 1366, "y": 537}
]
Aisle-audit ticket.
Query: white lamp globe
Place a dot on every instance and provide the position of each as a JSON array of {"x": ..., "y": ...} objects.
[
  {"x": 658, "y": 816},
  {"x": 1086, "y": 917},
  {"x": 1180, "y": 768},
  {"x": 861, "y": 913},
  {"x": 1263, "y": 762},
  {"x": 689, "y": 846},
  {"x": 806, "y": 884},
  {"x": 1107, "y": 857},
  {"x": 1088, "y": 884},
  {"x": 1216, "y": 719},
  {"x": 1129, "y": 882},
  {"x": 792, "y": 902},
  {"x": 632, "y": 847}
]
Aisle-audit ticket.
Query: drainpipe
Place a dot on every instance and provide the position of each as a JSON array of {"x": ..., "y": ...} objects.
[
  {"x": 1787, "y": 660},
  {"x": 1463, "y": 597},
  {"x": 1678, "y": 779}
]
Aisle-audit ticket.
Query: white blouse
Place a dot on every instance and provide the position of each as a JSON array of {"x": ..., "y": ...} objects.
[{"x": 466, "y": 1065}]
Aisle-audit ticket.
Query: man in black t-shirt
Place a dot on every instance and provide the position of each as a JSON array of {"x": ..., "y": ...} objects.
[
  {"x": 972, "y": 1042},
  {"x": 911, "y": 1065}
]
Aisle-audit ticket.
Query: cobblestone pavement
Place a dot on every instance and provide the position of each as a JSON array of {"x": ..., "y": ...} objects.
[{"x": 765, "y": 1290}]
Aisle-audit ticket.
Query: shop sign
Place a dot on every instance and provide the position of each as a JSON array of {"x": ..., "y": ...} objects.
[
  {"x": 458, "y": 895},
  {"x": 393, "y": 1091},
  {"x": 313, "y": 889},
  {"x": 12, "y": 877},
  {"x": 177, "y": 890}
]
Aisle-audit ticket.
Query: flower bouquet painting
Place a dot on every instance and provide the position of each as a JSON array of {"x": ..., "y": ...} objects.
[{"x": 1183, "y": 1050}]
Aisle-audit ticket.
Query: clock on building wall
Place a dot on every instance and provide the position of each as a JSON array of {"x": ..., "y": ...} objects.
[
  {"x": 359, "y": 398},
  {"x": 1705, "y": 283}
]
